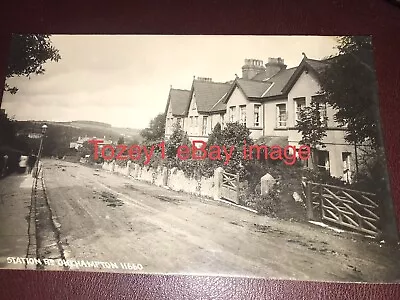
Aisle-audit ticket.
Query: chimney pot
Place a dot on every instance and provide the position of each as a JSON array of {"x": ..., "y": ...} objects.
[
  {"x": 252, "y": 67},
  {"x": 274, "y": 65}
]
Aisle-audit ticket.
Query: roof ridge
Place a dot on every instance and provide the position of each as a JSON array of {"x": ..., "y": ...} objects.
[
  {"x": 183, "y": 90},
  {"x": 252, "y": 80},
  {"x": 280, "y": 72},
  {"x": 215, "y": 82}
]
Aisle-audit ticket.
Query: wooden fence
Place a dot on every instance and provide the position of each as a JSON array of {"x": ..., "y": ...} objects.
[{"x": 351, "y": 209}]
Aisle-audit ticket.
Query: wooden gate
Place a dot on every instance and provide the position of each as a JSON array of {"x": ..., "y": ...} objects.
[
  {"x": 230, "y": 187},
  {"x": 352, "y": 209}
]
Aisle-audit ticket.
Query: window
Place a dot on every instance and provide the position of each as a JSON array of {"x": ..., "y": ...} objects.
[
  {"x": 322, "y": 160},
  {"x": 196, "y": 121},
  {"x": 170, "y": 122},
  {"x": 204, "y": 128},
  {"x": 191, "y": 121},
  {"x": 321, "y": 106},
  {"x": 300, "y": 103},
  {"x": 322, "y": 113},
  {"x": 242, "y": 111},
  {"x": 232, "y": 111},
  {"x": 221, "y": 117},
  {"x": 179, "y": 121},
  {"x": 257, "y": 115},
  {"x": 346, "y": 158},
  {"x": 281, "y": 115}
]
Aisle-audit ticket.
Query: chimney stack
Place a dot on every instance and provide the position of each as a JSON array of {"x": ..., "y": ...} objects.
[
  {"x": 207, "y": 79},
  {"x": 252, "y": 67},
  {"x": 273, "y": 66}
]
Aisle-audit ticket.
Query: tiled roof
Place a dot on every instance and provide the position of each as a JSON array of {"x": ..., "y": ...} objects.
[
  {"x": 253, "y": 88},
  {"x": 209, "y": 94},
  {"x": 279, "y": 81},
  {"x": 179, "y": 100},
  {"x": 262, "y": 76},
  {"x": 317, "y": 65}
]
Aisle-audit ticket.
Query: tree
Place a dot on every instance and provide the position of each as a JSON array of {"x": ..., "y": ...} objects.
[
  {"x": 350, "y": 87},
  {"x": 215, "y": 136},
  {"x": 121, "y": 140},
  {"x": 28, "y": 53},
  {"x": 177, "y": 138},
  {"x": 312, "y": 128},
  {"x": 7, "y": 132},
  {"x": 236, "y": 135},
  {"x": 156, "y": 130}
]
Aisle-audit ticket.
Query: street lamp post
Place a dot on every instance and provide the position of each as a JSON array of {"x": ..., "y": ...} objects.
[{"x": 44, "y": 128}]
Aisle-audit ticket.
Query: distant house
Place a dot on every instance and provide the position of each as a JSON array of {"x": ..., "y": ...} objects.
[
  {"x": 81, "y": 140},
  {"x": 267, "y": 100},
  {"x": 177, "y": 108}
]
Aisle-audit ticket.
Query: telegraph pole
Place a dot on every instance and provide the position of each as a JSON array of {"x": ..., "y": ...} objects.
[{"x": 44, "y": 128}]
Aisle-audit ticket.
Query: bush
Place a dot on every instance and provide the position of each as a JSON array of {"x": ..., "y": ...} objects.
[{"x": 177, "y": 138}]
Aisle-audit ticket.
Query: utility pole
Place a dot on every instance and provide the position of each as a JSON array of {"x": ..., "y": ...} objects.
[{"x": 44, "y": 128}]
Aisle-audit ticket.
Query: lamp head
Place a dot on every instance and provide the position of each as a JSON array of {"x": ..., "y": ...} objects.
[{"x": 44, "y": 128}]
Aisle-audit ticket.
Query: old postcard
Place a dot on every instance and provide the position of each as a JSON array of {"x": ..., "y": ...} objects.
[{"x": 256, "y": 156}]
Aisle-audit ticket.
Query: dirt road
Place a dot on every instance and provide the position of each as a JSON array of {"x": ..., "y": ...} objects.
[{"x": 106, "y": 217}]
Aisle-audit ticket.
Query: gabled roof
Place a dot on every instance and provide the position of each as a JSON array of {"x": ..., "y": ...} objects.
[
  {"x": 313, "y": 65},
  {"x": 279, "y": 81},
  {"x": 179, "y": 100},
  {"x": 209, "y": 94},
  {"x": 253, "y": 88},
  {"x": 318, "y": 65}
]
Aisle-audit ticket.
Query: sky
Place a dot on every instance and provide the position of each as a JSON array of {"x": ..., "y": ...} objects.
[{"x": 124, "y": 80}]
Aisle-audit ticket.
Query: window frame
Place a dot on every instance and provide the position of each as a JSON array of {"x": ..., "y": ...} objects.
[
  {"x": 204, "y": 125},
  {"x": 297, "y": 111},
  {"x": 346, "y": 159},
  {"x": 322, "y": 108},
  {"x": 257, "y": 124},
  {"x": 222, "y": 117},
  {"x": 243, "y": 114},
  {"x": 326, "y": 167},
  {"x": 232, "y": 113},
  {"x": 281, "y": 123}
]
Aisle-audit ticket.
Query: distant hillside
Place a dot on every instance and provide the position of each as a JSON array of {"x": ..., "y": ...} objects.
[
  {"x": 90, "y": 123},
  {"x": 59, "y": 135},
  {"x": 100, "y": 129}
]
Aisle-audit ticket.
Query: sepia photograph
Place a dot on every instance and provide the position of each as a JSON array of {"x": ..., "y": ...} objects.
[{"x": 255, "y": 156}]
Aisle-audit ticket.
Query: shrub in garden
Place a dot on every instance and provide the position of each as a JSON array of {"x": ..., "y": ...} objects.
[{"x": 177, "y": 138}]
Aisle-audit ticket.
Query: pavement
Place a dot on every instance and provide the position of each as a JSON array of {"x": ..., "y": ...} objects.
[
  {"x": 15, "y": 200},
  {"x": 105, "y": 217}
]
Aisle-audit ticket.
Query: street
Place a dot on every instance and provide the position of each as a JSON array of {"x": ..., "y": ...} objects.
[{"x": 101, "y": 216}]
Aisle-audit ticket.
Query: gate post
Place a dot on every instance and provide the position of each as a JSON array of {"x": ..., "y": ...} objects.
[
  {"x": 237, "y": 189},
  {"x": 128, "y": 168},
  {"x": 165, "y": 176},
  {"x": 388, "y": 218},
  {"x": 309, "y": 204},
  {"x": 217, "y": 183}
]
